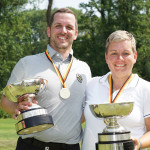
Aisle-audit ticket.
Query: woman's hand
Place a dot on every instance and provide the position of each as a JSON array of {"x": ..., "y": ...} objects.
[{"x": 136, "y": 144}]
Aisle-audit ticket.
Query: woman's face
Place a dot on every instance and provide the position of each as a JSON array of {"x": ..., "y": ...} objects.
[{"x": 120, "y": 58}]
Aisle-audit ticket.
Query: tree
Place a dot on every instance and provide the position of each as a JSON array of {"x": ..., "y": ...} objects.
[
  {"x": 12, "y": 36},
  {"x": 102, "y": 18},
  {"x": 21, "y": 33}
]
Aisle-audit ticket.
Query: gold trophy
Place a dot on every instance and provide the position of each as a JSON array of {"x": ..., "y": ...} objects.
[
  {"x": 35, "y": 119},
  {"x": 114, "y": 136}
]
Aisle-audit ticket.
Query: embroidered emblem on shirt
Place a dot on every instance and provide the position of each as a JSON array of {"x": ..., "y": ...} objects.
[
  {"x": 46, "y": 148},
  {"x": 79, "y": 77}
]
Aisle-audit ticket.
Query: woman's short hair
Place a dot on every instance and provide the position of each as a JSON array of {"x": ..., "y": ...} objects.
[{"x": 120, "y": 35}]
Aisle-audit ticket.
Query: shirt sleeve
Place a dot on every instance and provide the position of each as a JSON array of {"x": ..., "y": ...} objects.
[
  {"x": 146, "y": 96},
  {"x": 17, "y": 73}
]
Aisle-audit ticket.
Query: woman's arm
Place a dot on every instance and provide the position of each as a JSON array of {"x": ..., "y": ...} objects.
[{"x": 145, "y": 139}]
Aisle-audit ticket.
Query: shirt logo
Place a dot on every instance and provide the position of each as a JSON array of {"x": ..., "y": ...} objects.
[
  {"x": 79, "y": 78},
  {"x": 46, "y": 148}
]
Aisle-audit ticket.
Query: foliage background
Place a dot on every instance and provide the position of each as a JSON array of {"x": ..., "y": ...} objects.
[{"x": 23, "y": 32}]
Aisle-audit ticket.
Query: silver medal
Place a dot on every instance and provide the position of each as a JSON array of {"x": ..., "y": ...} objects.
[{"x": 64, "y": 93}]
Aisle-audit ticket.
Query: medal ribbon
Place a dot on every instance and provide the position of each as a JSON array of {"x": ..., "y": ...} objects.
[
  {"x": 62, "y": 79},
  {"x": 120, "y": 91}
]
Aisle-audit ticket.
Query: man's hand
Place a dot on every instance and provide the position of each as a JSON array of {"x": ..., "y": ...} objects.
[{"x": 24, "y": 104}]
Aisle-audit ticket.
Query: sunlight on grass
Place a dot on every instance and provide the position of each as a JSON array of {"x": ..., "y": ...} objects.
[{"x": 8, "y": 136}]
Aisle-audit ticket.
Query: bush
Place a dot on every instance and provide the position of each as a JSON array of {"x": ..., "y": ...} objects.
[{"x": 4, "y": 114}]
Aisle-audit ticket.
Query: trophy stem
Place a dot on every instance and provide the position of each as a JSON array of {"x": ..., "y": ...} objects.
[
  {"x": 112, "y": 125},
  {"x": 113, "y": 122},
  {"x": 30, "y": 97}
]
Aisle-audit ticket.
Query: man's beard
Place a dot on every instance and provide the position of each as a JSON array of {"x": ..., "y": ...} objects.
[{"x": 58, "y": 46}]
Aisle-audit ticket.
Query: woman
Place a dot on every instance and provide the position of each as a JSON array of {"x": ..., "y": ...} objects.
[{"x": 120, "y": 55}]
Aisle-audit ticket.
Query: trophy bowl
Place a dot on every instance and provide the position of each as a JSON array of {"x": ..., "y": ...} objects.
[
  {"x": 27, "y": 86},
  {"x": 111, "y": 109},
  {"x": 35, "y": 119},
  {"x": 114, "y": 136}
]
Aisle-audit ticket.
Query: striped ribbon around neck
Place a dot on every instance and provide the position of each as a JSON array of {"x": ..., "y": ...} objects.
[
  {"x": 62, "y": 79},
  {"x": 111, "y": 100}
]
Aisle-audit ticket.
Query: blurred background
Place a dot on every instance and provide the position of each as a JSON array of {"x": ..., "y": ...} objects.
[{"x": 23, "y": 26}]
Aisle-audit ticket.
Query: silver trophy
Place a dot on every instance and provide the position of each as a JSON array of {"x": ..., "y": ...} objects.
[
  {"x": 114, "y": 136},
  {"x": 35, "y": 119}
]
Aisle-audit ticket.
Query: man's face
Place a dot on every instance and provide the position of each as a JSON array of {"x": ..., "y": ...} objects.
[{"x": 63, "y": 32}]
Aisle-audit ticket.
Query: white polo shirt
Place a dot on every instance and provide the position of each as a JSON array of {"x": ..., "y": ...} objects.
[
  {"x": 97, "y": 92},
  {"x": 66, "y": 113}
]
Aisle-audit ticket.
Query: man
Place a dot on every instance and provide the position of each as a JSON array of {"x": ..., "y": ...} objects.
[{"x": 65, "y": 111}]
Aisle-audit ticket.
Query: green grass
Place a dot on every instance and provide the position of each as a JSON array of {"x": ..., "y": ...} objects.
[{"x": 8, "y": 136}]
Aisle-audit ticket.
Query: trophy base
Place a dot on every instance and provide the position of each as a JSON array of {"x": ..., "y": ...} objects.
[
  {"x": 115, "y": 141},
  {"x": 34, "y": 124},
  {"x": 114, "y": 136},
  {"x": 33, "y": 120},
  {"x": 126, "y": 145}
]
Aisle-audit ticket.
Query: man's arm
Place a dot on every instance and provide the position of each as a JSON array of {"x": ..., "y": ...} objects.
[
  {"x": 14, "y": 108},
  {"x": 8, "y": 106}
]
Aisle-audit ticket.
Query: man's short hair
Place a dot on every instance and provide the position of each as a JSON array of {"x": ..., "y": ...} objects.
[{"x": 63, "y": 10}]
